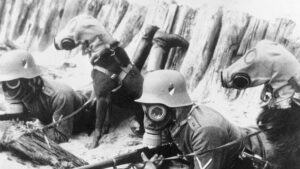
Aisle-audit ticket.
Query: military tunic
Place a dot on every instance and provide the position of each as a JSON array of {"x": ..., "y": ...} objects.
[
  {"x": 205, "y": 129},
  {"x": 56, "y": 101}
]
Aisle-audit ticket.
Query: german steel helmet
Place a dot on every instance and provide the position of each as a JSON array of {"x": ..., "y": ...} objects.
[
  {"x": 167, "y": 87},
  {"x": 17, "y": 64}
]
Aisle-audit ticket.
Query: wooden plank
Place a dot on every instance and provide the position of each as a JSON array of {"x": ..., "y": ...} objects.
[
  {"x": 159, "y": 13},
  {"x": 16, "y": 137},
  {"x": 70, "y": 10},
  {"x": 283, "y": 31},
  {"x": 169, "y": 21},
  {"x": 184, "y": 22},
  {"x": 5, "y": 21},
  {"x": 293, "y": 43},
  {"x": 204, "y": 37},
  {"x": 233, "y": 28},
  {"x": 168, "y": 26},
  {"x": 2, "y": 12},
  {"x": 48, "y": 23},
  {"x": 131, "y": 24},
  {"x": 279, "y": 30},
  {"x": 92, "y": 7},
  {"x": 255, "y": 32},
  {"x": 39, "y": 26},
  {"x": 31, "y": 30},
  {"x": 112, "y": 13},
  {"x": 18, "y": 16}
]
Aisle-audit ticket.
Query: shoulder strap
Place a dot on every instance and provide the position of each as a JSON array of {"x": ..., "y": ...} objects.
[
  {"x": 192, "y": 121},
  {"x": 179, "y": 125}
]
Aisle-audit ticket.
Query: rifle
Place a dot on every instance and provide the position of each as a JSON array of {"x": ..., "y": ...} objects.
[
  {"x": 167, "y": 150},
  {"x": 20, "y": 116}
]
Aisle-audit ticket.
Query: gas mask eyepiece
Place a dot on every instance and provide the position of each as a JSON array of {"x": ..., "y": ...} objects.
[
  {"x": 241, "y": 80},
  {"x": 68, "y": 44},
  {"x": 15, "y": 89},
  {"x": 13, "y": 84},
  {"x": 157, "y": 113}
]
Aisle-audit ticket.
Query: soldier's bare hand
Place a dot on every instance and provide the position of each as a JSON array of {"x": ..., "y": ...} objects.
[{"x": 153, "y": 163}]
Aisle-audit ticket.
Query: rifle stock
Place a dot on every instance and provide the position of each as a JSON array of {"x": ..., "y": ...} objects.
[
  {"x": 167, "y": 150},
  {"x": 20, "y": 116}
]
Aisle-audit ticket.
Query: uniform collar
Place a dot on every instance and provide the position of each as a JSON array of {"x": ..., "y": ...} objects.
[
  {"x": 48, "y": 89},
  {"x": 181, "y": 121}
]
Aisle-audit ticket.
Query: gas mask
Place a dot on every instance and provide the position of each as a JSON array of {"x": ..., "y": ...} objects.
[
  {"x": 16, "y": 90},
  {"x": 157, "y": 118},
  {"x": 13, "y": 92}
]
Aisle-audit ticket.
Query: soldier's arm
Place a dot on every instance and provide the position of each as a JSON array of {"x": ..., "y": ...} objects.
[
  {"x": 62, "y": 106},
  {"x": 24, "y": 116},
  {"x": 206, "y": 138}
]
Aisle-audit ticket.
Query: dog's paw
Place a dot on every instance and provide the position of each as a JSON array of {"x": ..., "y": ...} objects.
[
  {"x": 92, "y": 145},
  {"x": 105, "y": 128},
  {"x": 96, "y": 135}
]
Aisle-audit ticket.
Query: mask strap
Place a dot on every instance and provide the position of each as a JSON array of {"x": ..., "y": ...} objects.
[
  {"x": 178, "y": 126},
  {"x": 192, "y": 109},
  {"x": 266, "y": 93},
  {"x": 183, "y": 122}
]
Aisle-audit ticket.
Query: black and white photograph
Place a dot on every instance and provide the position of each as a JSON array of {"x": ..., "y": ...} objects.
[{"x": 149, "y": 84}]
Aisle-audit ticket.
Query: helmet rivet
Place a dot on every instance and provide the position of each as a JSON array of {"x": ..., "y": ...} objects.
[
  {"x": 24, "y": 63},
  {"x": 171, "y": 89}
]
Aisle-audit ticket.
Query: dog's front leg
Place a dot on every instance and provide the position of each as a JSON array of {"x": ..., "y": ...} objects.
[
  {"x": 101, "y": 110},
  {"x": 107, "y": 122}
]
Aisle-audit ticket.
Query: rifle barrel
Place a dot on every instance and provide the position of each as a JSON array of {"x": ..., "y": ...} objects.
[
  {"x": 166, "y": 150},
  {"x": 103, "y": 164}
]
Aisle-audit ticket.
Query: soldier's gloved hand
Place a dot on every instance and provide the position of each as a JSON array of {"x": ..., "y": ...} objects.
[
  {"x": 34, "y": 124},
  {"x": 152, "y": 163}
]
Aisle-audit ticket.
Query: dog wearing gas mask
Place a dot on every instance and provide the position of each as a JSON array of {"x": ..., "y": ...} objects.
[{"x": 271, "y": 65}]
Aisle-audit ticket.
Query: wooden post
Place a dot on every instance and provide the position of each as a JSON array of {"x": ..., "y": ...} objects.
[
  {"x": 234, "y": 25},
  {"x": 204, "y": 37},
  {"x": 16, "y": 137},
  {"x": 183, "y": 23}
]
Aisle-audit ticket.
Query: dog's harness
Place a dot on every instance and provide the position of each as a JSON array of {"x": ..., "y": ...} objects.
[
  {"x": 270, "y": 98},
  {"x": 115, "y": 77}
]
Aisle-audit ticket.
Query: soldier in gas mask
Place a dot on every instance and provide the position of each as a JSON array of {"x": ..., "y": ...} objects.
[
  {"x": 194, "y": 128},
  {"x": 42, "y": 99}
]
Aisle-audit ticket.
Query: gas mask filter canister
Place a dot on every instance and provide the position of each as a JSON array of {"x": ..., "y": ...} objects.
[
  {"x": 14, "y": 105},
  {"x": 155, "y": 121}
]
